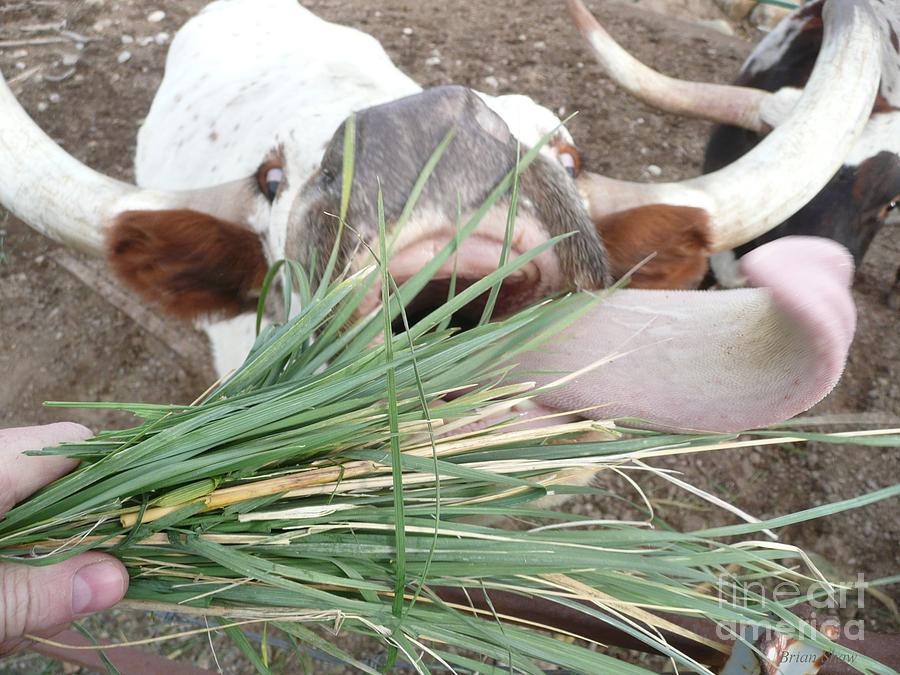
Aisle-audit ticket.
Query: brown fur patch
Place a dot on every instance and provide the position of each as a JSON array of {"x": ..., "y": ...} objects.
[
  {"x": 678, "y": 235},
  {"x": 190, "y": 263}
]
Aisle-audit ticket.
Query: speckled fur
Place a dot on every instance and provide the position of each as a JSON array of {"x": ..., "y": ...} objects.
[{"x": 246, "y": 77}]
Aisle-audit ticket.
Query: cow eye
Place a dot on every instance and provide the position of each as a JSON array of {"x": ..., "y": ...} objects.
[
  {"x": 270, "y": 176},
  {"x": 889, "y": 207},
  {"x": 569, "y": 157}
]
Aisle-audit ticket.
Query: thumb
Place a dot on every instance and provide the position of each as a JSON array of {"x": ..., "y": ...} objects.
[{"x": 35, "y": 599}]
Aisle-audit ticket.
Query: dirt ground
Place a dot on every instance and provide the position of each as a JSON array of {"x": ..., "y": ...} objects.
[{"x": 59, "y": 339}]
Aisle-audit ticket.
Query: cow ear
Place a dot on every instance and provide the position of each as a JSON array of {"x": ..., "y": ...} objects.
[
  {"x": 679, "y": 236},
  {"x": 189, "y": 263}
]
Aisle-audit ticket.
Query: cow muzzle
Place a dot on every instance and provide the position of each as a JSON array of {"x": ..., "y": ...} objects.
[{"x": 473, "y": 258}]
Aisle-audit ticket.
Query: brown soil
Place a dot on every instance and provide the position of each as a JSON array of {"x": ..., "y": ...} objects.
[{"x": 59, "y": 339}]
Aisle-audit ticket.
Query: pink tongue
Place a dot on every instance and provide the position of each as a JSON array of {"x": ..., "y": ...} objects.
[{"x": 712, "y": 360}]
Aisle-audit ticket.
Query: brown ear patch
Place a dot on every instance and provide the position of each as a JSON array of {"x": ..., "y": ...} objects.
[
  {"x": 190, "y": 263},
  {"x": 678, "y": 235}
]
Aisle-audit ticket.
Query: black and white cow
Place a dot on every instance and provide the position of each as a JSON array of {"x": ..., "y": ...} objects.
[{"x": 861, "y": 195}]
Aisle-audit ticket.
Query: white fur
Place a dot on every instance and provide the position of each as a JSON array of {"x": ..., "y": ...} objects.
[
  {"x": 528, "y": 121},
  {"x": 772, "y": 48},
  {"x": 727, "y": 270},
  {"x": 230, "y": 341},
  {"x": 776, "y": 109},
  {"x": 245, "y": 76},
  {"x": 881, "y": 133}
]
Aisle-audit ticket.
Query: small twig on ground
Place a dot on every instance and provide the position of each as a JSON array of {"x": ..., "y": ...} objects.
[
  {"x": 59, "y": 78},
  {"x": 64, "y": 37},
  {"x": 53, "y": 27},
  {"x": 76, "y": 37},
  {"x": 34, "y": 42},
  {"x": 23, "y": 76}
]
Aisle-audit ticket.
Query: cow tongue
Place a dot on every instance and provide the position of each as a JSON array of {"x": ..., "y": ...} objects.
[{"x": 720, "y": 361}]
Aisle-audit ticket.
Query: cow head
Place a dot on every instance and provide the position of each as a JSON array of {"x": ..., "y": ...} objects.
[
  {"x": 205, "y": 250},
  {"x": 182, "y": 258}
]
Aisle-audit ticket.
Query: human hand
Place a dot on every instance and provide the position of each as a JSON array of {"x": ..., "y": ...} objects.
[{"x": 42, "y": 600}]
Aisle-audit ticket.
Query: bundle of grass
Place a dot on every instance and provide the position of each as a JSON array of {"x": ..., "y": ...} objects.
[{"x": 342, "y": 479}]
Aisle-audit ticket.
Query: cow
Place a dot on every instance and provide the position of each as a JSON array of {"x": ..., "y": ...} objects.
[
  {"x": 861, "y": 196},
  {"x": 239, "y": 163}
]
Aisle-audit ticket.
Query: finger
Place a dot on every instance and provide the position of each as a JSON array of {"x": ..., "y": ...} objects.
[
  {"x": 21, "y": 475},
  {"x": 36, "y": 599}
]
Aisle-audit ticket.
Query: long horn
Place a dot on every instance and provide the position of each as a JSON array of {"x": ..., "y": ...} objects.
[
  {"x": 795, "y": 161},
  {"x": 745, "y": 107},
  {"x": 70, "y": 203}
]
